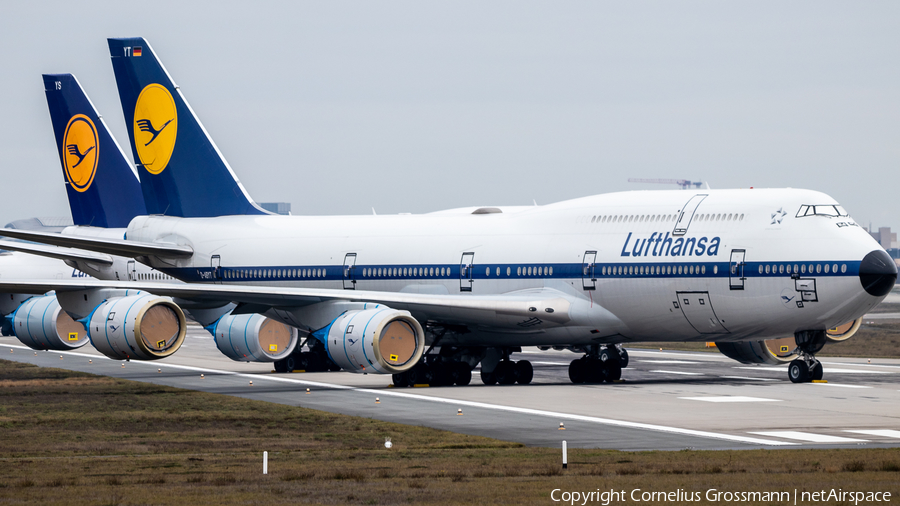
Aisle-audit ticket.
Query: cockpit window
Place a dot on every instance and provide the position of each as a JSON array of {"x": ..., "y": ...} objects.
[{"x": 827, "y": 210}]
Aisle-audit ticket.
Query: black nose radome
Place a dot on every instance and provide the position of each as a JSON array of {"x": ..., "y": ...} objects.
[{"x": 878, "y": 273}]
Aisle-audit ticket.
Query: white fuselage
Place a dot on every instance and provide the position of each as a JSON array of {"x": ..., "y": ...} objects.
[{"x": 713, "y": 265}]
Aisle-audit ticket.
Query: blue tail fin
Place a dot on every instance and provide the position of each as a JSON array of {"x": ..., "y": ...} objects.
[
  {"x": 102, "y": 187},
  {"x": 182, "y": 171}
]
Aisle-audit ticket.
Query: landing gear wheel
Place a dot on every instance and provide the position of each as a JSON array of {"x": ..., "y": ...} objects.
[
  {"x": 524, "y": 372},
  {"x": 798, "y": 372},
  {"x": 817, "y": 372},
  {"x": 462, "y": 374},
  {"x": 489, "y": 378},
  {"x": 401, "y": 380},
  {"x": 623, "y": 358},
  {"x": 441, "y": 375},
  {"x": 577, "y": 371},
  {"x": 279, "y": 366},
  {"x": 289, "y": 363},
  {"x": 597, "y": 371},
  {"x": 420, "y": 375},
  {"x": 613, "y": 371},
  {"x": 506, "y": 372}
]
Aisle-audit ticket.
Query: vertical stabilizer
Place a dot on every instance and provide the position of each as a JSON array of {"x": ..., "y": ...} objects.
[
  {"x": 182, "y": 171},
  {"x": 103, "y": 188}
]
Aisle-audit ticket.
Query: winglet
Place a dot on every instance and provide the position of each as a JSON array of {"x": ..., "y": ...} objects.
[
  {"x": 102, "y": 187},
  {"x": 182, "y": 171}
]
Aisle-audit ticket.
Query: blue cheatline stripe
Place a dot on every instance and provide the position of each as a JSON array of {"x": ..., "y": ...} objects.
[{"x": 517, "y": 271}]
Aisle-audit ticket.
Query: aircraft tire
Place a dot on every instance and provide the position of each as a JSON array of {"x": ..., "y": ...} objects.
[
  {"x": 441, "y": 375},
  {"x": 280, "y": 366},
  {"x": 524, "y": 372},
  {"x": 798, "y": 372},
  {"x": 577, "y": 371},
  {"x": 489, "y": 378},
  {"x": 463, "y": 374},
  {"x": 506, "y": 372},
  {"x": 401, "y": 380},
  {"x": 623, "y": 358},
  {"x": 817, "y": 372},
  {"x": 597, "y": 371},
  {"x": 420, "y": 375},
  {"x": 289, "y": 363},
  {"x": 613, "y": 371}
]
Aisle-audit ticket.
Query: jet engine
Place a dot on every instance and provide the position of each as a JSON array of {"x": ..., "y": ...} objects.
[
  {"x": 41, "y": 324},
  {"x": 843, "y": 332},
  {"x": 380, "y": 340},
  {"x": 253, "y": 338},
  {"x": 772, "y": 351},
  {"x": 140, "y": 327}
]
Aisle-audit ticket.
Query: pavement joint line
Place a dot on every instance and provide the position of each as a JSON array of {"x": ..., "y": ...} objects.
[{"x": 495, "y": 407}]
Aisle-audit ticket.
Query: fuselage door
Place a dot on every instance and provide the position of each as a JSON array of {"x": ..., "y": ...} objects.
[
  {"x": 736, "y": 270},
  {"x": 698, "y": 309},
  {"x": 130, "y": 269},
  {"x": 588, "y": 276},
  {"x": 687, "y": 214},
  {"x": 215, "y": 266},
  {"x": 466, "y": 273},
  {"x": 350, "y": 271}
]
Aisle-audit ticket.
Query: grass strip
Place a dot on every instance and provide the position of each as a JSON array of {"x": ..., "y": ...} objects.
[{"x": 76, "y": 438}]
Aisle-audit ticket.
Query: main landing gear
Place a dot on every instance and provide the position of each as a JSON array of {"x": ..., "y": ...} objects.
[
  {"x": 599, "y": 365},
  {"x": 314, "y": 360},
  {"x": 508, "y": 372},
  {"x": 806, "y": 368},
  {"x": 435, "y": 373}
]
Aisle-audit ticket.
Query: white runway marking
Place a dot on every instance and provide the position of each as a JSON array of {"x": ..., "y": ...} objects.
[
  {"x": 457, "y": 402},
  {"x": 680, "y": 372},
  {"x": 730, "y": 398},
  {"x": 748, "y": 378},
  {"x": 810, "y": 437},
  {"x": 549, "y": 363},
  {"x": 840, "y": 385},
  {"x": 862, "y": 365},
  {"x": 665, "y": 362},
  {"x": 783, "y": 370},
  {"x": 878, "y": 432}
]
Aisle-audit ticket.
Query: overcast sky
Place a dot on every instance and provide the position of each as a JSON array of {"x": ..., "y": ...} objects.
[{"x": 339, "y": 107}]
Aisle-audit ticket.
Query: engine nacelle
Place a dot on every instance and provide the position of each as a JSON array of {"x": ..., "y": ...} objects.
[
  {"x": 253, "y": 337},
  {"x": 772, "y": 351},
  {"x": 41, "y": 324},
  {"x": 138, "y": 327},
  {"x": 380, "y": 341},
  {"x": 843, "y": 332}
]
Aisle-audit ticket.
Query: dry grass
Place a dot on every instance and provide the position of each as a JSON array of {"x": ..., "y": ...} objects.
[{"x": 72, "y": 438}]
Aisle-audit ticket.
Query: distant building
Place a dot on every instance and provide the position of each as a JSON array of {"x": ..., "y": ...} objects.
[
  {"x": 885, "y": 237},
  {"x": 276, "y": 207}
]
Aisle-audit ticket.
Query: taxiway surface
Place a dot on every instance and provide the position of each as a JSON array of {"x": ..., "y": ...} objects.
[{"x": 669, "y": 400}]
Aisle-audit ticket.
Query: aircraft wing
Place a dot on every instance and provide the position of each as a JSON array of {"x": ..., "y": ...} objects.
[
  {"x": 120, "y": 247},
  {"x": 56, "y": 252},
  {"x": 551, "y": 306}
]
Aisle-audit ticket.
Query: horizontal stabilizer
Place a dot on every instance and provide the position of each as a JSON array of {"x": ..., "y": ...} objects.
[
  {"x": 120, "y": 247},
  {"x": 56, "y": 252}
]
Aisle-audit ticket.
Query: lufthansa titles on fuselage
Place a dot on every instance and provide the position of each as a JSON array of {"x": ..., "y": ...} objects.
[{"x": 664, "y": 245}]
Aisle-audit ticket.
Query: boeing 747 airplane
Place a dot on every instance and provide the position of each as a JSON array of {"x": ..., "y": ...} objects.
[{"x": 737, "y": 267}]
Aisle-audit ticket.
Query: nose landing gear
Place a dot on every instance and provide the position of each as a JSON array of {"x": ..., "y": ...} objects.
[{"x": 806, "y": 368}]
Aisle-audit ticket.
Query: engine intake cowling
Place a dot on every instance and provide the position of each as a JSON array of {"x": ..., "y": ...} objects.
[
  {"x": 772, "y": 351},
  {"x": 139, "y": 327},
  {"x": 41, "y": 324},
  {"x": 379, "y": 340},
  {"x": 843, "y": 332},
  {"x": 253, "y": 338}
]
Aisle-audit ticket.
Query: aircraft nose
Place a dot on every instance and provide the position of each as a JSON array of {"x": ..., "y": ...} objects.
[{"x": 878, "y": 273}]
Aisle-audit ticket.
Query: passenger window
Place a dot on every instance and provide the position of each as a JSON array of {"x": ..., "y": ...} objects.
[
  {"x": 518, "y": 271},
  {"x": 834, "y": 268},
  {"x": 768, "y": 268},
  {"x": 827, "y": 268},
  {"x": 551, "y": 270},
  {"x": 818, "y": 268},
  {"x": 781, "y": 269},
  {"x": 508, "y": 271}
]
